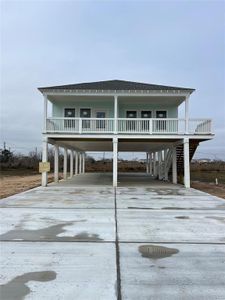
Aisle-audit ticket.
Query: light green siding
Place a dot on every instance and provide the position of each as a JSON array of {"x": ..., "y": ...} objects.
[{"x": 58, "y": 108}]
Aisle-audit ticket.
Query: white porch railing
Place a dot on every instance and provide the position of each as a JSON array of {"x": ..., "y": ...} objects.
[{"x": 126, "y": 126}]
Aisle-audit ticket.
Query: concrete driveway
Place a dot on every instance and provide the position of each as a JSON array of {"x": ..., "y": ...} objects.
[{"x": 155, "y": 242}]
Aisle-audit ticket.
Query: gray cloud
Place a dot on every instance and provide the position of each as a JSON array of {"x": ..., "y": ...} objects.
[{"x": 56, "y": 42}]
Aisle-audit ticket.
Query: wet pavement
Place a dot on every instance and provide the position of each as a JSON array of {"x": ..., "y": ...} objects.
[{"x": 159, "y": 241}]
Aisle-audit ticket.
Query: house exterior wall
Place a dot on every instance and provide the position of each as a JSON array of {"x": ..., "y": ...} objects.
[{"x": 108, "y": 106}]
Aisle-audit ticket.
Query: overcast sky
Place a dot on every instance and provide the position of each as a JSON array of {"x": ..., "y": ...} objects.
[{"x": 60, "y": 42}]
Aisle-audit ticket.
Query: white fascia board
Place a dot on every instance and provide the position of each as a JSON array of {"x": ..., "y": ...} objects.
[
  {"x": 126, "y": 136},
  {"x": 118, "y": 93}
]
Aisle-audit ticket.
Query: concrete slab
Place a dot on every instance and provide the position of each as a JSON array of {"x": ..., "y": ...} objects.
[
  {"x": 193, "y": 272},
  {"x": 58, "y": 271},
  {"x": 63, "y": 197},
  {"x": 147, "y": 201},
  {"x": 171, "y": 226},
  {"x": 89, "y": 179},
  {"x": 59, "y": 242},
  {"x": 31, "y": 224},
  {"x": 159, "y": 189}
]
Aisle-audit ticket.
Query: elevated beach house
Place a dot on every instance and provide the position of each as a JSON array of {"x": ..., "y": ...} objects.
[{"x": 119, "y": 115}]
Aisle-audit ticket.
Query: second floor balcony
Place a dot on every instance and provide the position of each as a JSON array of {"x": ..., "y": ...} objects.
[{"x": 151, "y": 126}]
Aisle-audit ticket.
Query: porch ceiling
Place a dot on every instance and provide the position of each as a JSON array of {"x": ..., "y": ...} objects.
[
  {"x": 124, "y": 145},
  {"x": 123, "y": 100}
]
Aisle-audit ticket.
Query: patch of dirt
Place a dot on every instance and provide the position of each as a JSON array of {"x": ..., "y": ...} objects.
[
  {"x": 210, "y": 188},
  {"x": 14, "y": 184}
]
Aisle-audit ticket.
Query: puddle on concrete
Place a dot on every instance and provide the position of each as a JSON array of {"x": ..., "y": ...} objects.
[
  {"x": 182, "y": 217},
  {"x": 48, "y": 233},
  {"x": 85, "y": 236},
  {"x": 221, "y": 206},
  {"x": 220, "y": 219},
  {"x": 182, "y": 208},
  {"x": 156, "y": 252},
  {"x": 16, "y": 289},
  {"x": 178, "y": 208},
  {"x": 165, "y": 191},
  {"x": 135, "y": 207}
]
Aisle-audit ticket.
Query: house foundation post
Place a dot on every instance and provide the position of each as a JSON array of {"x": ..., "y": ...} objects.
[
  {"x": 56, "y": 163},
  {"x": 147, "y": 162},
  {"x": 154, "y": 164},
  {"x": 160, "y": 165},
  {"x": 76, "y": 163},
  {"x": 174, "y": 165},
  {"x": 166, "y": 162},
  {"x": 65, "y": 164},
  {"x": 80, "y": 163},
  {"x": 71, "y": 163},
  {"x": 44, "y": 177},
  {"x": 83, "y": 166},
  {"x": 115, "y": 162},
  {"x": 186, "y": 163},
  {"x": 150, "y": 163}
]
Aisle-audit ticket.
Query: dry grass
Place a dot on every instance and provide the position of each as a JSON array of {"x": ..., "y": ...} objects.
[{"x": 210, "y": 188}]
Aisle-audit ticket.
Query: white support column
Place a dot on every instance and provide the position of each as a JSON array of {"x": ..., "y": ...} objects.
[
  {"x": 45, "y": 113},
  {"x": 115, "y": 113},
  {"x": 83, "y": 167},
  {"x": 65, "y": 164},
  {"x": 80, "y": 163},
  {"x": 150, "y": 164},
  {"x": 71, "y": 163},
  {"x": 174, "y": 165},
  {"x": 186, "y": 164},
  {"x": 165, "y": 164},
  {"x": 76, "y": 163},
  {"x": 154, "y": 164},
  {"x": 160, "y": 164},
  {"x": 44, "y": 180},
  {"x": 115, "y": 162},
  {"x": 56, "y": 163},
  {"x": 186, "y": 114},
  {"x": 147, "y": 162}
]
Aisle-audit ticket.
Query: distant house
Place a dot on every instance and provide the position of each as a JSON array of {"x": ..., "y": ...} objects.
[{"x": 118, "y": 115}]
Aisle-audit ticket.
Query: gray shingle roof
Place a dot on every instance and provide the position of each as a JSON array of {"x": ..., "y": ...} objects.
[{"x": 114, "y": 85}]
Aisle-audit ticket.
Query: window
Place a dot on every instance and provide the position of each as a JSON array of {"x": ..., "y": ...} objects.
[
  {"x": 161, "y": 114},
  {"x": 69, "y": 113}
]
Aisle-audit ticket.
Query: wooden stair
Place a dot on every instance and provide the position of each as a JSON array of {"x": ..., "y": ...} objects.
[{"x": 180, "y": 155}]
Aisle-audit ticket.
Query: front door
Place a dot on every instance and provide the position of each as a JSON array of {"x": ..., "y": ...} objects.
[
  {"x": 145, "y": 114},
  {"x": 85, "y": 113},
  {"x": 69, "y": 113},
  {"x": 100, "y": 124},
  {"x": 131, "y": 125}
]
